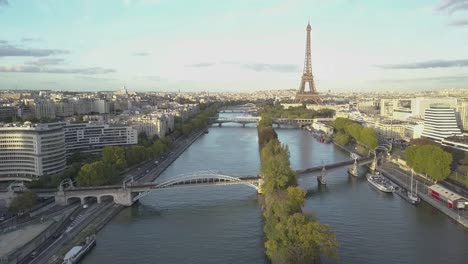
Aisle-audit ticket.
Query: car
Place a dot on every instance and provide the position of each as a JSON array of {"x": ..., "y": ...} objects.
[
  {"x": 85, "y": 206},
  {"x": 33, "y": 254}
]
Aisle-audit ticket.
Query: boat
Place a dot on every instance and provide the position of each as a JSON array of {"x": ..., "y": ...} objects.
[
  {"x": 321, "y": 180},
  {"x": 76, "y": 253},
  {"x": 413, "y": 197},
  {"x": 206, "y": 131},
  {"x": 380, "y": 182}
]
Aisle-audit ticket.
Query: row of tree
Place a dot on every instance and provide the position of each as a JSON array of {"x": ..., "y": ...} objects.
[
  {"x": 429, "y": 159},
  {"x": 291, "y": 237},
  {"x": 347, "y": 128}
]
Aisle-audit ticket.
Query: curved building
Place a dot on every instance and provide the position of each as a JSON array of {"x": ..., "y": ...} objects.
[
  {"x": 440, "y": 122},
  {"x": 31, "y": 150}
]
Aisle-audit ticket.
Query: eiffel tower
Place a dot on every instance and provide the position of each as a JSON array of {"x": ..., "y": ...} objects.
[{"x": 307, "y": 78}]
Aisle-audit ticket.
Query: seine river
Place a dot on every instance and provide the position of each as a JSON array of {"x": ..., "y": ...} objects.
[{"x": 223, "y": 224}]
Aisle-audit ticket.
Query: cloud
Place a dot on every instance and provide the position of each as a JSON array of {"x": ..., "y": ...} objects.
[
  {"x": 201, "y": 65},
  {"x": 427, "y": 64},
  {"x": 452, "y": 6},
  {"x": 260, "y": 67},
  {"x": 11, "y": 51},
  {"x": 460, "y": 22},
  {"x": 45, "y": 61},
  {"x": 92, "y": 78},
  {"x": 31, "y": 39},
  {"x": 141, "y": 54},
  {"x": 36, "y": 69},
  {"x": 4, "y": 2},
  {"x": 453, "y": 78}
]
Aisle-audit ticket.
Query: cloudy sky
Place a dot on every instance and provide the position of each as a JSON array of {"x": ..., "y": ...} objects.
[{"x": 223, "y": 45}]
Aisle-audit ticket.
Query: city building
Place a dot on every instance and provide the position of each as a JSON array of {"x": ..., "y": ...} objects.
[
  {"x": 387, "y": 106},
  {"x": 462, "y": 110},
  {"x": 92, "y": 137},
  {"x": 414, "y": 130},
  {"x": 31, "y": 150},
  {"x": 420, "y": 104},
  {"x": 457, "y": 142},
  {"x": 440, "y": 122},
  {"x": 42, "y": 109}
]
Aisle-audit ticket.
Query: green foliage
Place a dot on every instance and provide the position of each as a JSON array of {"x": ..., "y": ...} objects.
[
  {"x": 340, "y": 123},
  {"x": 291, "y": 237},
  {"x": 96, "y": 174},
  {"x": 466, "y": 181},
  {"x": 114, "y": 156},
  {"x": 429, "y": 159},
  {"x": 342, "y": 138},
  {"x": 300, "y": 240},
  {"x": 275, "y": 168},
  {"x": 135, "y": 155},
  {"x": 23, "y": 201},
  {"x": 364, "y": 135}
]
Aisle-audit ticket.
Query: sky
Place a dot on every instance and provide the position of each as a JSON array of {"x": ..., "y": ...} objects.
[{"x": 238, "y": 46}]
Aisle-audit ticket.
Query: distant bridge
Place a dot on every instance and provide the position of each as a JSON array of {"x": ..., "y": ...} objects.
[
  {"x": 246, "y": 108},
  {"x": 359, "y": 162},
  {"x": 255, "y": 120}
]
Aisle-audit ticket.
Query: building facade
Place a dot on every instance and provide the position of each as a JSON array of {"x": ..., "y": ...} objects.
[
  {"x": 440, "y": 122},
  {"x": 462, "y": 110},
  {"x": 92, "y": 137},
  {"x": 31, "y": 150}
]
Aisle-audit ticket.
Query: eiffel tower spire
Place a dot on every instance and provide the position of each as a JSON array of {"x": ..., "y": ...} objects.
[{"x": 307, "y": 78}]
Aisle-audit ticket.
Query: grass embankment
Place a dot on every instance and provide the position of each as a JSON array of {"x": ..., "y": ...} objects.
[{"x": 291, "y": 236}]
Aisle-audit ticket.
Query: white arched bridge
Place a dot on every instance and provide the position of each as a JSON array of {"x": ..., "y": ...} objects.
[{"x": 130, "y": 192}]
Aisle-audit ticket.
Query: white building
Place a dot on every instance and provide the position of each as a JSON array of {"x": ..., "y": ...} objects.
[
  {"x": 413, "y": 131},
  {"x": 64, "y": 108},
  {"x": 420, "y": 104},
  {"x": 92, "y": 137},
  {"x": 440, "y": 122},
  {"x": 101, "y": 106},
  {"x": 31, "y": 150},
  {"x": 387, "y": 106},
  {"x": 42, "y": 109},
  {"x": 155, "y": 124}
]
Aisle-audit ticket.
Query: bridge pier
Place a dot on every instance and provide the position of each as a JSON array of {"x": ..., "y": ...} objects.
[
  {"x": 243, "y": 124},
  {"x": 60, "y": 198},
  {"x": 219, "y": 124}
]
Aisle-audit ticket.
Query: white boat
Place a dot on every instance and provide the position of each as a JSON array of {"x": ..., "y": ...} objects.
[
  {"x": 413, "y": 197},
  {"x": 76, "y": 253},
  {"x": 380, "y": 182}
]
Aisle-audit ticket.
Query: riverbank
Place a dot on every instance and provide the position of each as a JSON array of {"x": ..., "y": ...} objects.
[{"x": 422, "y": 193}]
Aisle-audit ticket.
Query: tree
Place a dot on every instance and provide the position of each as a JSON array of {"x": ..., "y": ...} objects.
[
  {"x": 430, "y": 159},
  {"x": 114, "y": 156},
  {"x": 342, "y": 139},
  {"x": 300, "y": 240},
  {"x": 368, "y": 137},
  {"x": 23, "y": 201},
  {"x": 95, "y": 174}
]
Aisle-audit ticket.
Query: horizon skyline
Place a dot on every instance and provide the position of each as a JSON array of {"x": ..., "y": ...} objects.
[{"x": 233, "y": 46}]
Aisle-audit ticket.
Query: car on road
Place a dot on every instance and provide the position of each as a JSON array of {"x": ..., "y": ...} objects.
[{"x": 85, "y": 206}]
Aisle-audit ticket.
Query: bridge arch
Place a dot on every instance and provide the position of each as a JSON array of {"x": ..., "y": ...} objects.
[
  {"x": 71, "y": 200},
  {"x": 201, "y": 178},
  {"x": 89, "y": 199},
  {"x": 105, "y": 198}
]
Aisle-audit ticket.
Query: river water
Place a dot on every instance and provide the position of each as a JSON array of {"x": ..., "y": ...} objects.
[{"x": 223, "y": 224}]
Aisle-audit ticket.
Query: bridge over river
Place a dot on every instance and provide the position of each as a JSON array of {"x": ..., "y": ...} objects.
[{"x": 130, "y": 192}]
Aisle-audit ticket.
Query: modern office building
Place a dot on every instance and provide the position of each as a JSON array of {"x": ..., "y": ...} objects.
[
  {"x": 92, "y": 137},
  {"x": 31, "y": 151},
  {"x": 440, "y": 122}
]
